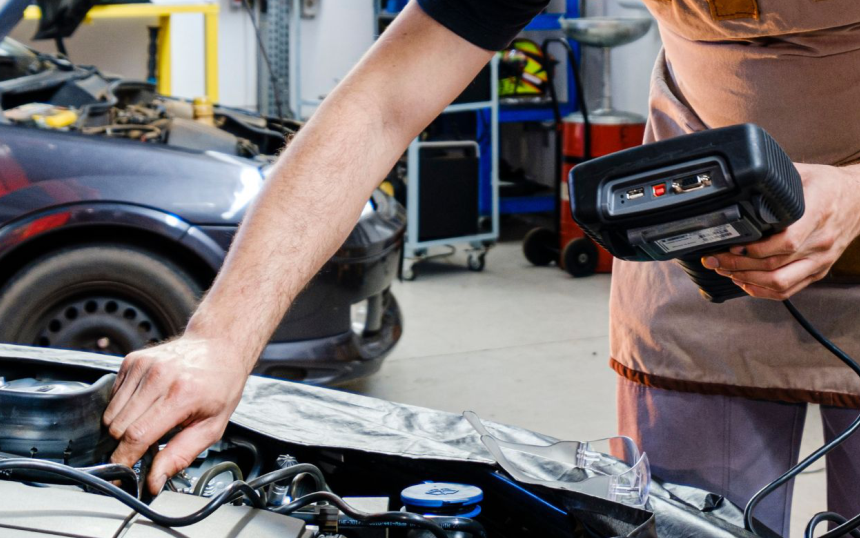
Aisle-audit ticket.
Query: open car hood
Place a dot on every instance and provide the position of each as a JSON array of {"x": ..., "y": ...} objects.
[
  {"x": 60, "y": 18},
  {"x": 342, "y": 423},
  {"x": 11, "y": 13}
]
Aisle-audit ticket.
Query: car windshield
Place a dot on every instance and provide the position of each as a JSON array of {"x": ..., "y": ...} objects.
[{"x": 16, "y": 60}]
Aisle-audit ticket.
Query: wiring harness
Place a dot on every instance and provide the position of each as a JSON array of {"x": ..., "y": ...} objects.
[{"x": 96, "y": 478}]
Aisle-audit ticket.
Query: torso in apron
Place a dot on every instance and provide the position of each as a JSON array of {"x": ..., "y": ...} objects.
[{"x": 793, "y": 67}]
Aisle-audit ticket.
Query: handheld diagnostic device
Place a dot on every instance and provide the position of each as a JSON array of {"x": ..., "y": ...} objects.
[{"x": 687, "y": 197}]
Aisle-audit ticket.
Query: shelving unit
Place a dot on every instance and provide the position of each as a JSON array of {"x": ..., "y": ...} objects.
[{"x": 544, "y": 202}]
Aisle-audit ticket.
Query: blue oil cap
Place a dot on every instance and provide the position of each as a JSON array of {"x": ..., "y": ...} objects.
[{"x": 442, "y": 498}]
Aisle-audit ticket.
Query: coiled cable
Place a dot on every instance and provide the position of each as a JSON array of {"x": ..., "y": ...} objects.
[{"x": 847, "y": 526}]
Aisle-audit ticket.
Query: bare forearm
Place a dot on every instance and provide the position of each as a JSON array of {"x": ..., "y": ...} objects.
[{"x": 315, "y": 197}]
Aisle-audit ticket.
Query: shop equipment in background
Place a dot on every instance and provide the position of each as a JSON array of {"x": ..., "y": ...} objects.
[
  {"x": 585, "y": 135},
  {"x": 452, "y": 186}
]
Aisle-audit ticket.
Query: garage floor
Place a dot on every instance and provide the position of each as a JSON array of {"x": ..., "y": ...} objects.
[{"x": 525, "y": 346}]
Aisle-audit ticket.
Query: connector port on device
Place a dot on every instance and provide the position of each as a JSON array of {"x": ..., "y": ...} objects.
[
  {"x": 691, "y": 183},
  {"x": 638, "y": 192}
]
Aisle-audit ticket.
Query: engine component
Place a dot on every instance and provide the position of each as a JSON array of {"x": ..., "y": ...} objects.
[
  {"x": 72, "y": 513},
  {"x": 193, "y": 134},
  {"x": 204, "y": 112},
  {"x": 443, "y": 499},
  {"x": 55, "y": 420},
  {"x": 43, "y": 115}
]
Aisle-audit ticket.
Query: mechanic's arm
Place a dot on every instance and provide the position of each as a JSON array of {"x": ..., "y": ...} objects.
[
  {"x": 300, "y": 218},
  {"x": 785, "y": 263}
]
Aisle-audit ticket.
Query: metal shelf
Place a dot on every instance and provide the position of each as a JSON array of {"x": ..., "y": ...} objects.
[
  {"x": 519, "y": 114},
  {"x": 513, "y": 205}
]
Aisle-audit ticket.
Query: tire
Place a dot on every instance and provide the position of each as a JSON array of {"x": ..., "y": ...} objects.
[
  {"x": 540, "y": 246},
  {"x": 107, "y": 298},
  {"x": 580, "y": 257}
]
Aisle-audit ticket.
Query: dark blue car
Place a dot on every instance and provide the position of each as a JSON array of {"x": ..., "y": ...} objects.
[{"x": 117, "y": 206}]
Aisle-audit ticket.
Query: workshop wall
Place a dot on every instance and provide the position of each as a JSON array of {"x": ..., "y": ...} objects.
[{"x": 120, "y": 47}]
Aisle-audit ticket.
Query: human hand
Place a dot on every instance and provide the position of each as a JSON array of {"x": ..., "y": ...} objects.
[
  {"x": 785, "y": 263},
  {"x": 191, "y": 382}
]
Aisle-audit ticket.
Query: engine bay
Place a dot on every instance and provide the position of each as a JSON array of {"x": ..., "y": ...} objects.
[
  {"x": 57, "y": 480},
  {"x": 58, "y": 95}
]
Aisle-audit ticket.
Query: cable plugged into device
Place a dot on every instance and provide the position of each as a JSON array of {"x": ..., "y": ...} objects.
[{"x": 691, "y": 196}]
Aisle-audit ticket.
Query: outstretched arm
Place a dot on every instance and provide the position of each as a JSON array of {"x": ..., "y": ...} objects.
[{"x": 300, "y": 218}]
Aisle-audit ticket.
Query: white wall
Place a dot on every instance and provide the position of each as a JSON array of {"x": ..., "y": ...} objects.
[
  {"x": 119, "y": 46},
  {"x": 331, "y": 43}
]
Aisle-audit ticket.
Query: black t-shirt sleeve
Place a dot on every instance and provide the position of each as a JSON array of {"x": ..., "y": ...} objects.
[{"x": 489, "y": 24}]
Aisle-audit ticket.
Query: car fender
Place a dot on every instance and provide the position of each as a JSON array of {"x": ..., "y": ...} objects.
[{"x": 28, "y": 228}]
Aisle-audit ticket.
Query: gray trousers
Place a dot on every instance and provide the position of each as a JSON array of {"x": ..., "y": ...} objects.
[{"x": 734, "y": 446}]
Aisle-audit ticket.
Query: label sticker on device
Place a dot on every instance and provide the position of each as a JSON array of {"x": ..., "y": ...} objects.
[{"x": 695, "y": 239}]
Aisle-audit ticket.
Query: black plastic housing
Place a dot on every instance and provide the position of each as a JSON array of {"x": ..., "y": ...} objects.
[
  {"x": 65, "y": 427},
  {"x": 753, "y": 190}
]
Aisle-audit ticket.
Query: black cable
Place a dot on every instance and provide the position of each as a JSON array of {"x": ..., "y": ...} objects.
[
  {"x": 294, "y": 490},
  {"x": 826, "y": 516},
  {"x": 276, "y": 90},
  {"x": 215, "y": 470},
  {"x": 114, "y": 471},
  {"x": 364, "y": 517},
  {"x": 129, "y": 500},
  {"x": 109, "y": 472},
  {"x": 288, "y": 473},
  {"x": 848, "y": 526},
  {"x": 255, "y": 455}
]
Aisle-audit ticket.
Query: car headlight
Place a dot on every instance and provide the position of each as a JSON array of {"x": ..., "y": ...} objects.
[
  {"x": 368, "y": 209},
  {"x": 358, "y": 317}
]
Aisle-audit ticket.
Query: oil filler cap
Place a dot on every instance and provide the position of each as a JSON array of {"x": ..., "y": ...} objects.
[{"x": 443, "y": 498}]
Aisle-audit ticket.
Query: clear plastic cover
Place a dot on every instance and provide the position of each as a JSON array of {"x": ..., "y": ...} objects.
[{"x": 611, "y": 468}]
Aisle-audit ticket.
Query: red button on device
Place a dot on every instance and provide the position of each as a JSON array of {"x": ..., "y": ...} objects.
[{"x": 659, "y": 190}]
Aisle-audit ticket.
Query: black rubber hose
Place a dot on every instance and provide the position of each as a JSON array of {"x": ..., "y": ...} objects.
[
  {"x": 115, "y": 471},
  {"x": 848, "y": 526},
  {"x": 110, "y": 472},
  {"x": 255, "y": 455},
  {"x": 129, "y": 500},
  {"x": 215, "y": 470},
  {"x": 288, "y": 473},
  {"x": 364, "y": 517}
]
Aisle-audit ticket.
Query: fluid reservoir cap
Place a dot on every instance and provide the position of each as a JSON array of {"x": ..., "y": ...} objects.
[{"x": 441, "y": 494}]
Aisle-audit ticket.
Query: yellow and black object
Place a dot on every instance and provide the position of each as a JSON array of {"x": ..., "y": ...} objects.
[{"x": 523, "y": 70}]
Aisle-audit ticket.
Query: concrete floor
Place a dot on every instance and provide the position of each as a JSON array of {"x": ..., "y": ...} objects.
[{"x": 526, "y": 346}]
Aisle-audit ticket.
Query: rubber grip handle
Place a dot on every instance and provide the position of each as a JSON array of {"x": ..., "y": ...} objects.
[{"x": 713, "y": 287}]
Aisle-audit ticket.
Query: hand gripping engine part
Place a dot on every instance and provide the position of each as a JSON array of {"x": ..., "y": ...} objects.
[{"x": 624, "y": 476}]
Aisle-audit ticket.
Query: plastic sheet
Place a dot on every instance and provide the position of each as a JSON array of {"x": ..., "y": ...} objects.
[{"x": 325, "y": 418}]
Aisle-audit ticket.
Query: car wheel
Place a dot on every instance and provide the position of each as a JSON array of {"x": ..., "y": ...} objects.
[
  {"x": 580, "y": 257},
  {"x": 106, "y": 298},
  {"x": 540, "y": 246}
]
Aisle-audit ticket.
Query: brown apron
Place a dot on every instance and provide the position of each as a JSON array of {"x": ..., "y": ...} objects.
[{"x": 793, "y": 67}]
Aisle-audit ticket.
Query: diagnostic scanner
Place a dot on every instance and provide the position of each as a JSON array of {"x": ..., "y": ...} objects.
[{"x": 687, "y": 197}]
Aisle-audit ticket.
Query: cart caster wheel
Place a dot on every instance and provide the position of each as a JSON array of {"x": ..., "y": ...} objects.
[
  {"x": 580, "y": 257},
  {"x": 540, "y": 246},
  {"x": 408, "y": 274},
  {"x": 477, "y": 262}
]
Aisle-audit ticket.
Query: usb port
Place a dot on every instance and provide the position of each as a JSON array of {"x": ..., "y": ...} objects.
[
  {"x": 638, "y": 192},
  {"x": 691, "y": 183}
]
